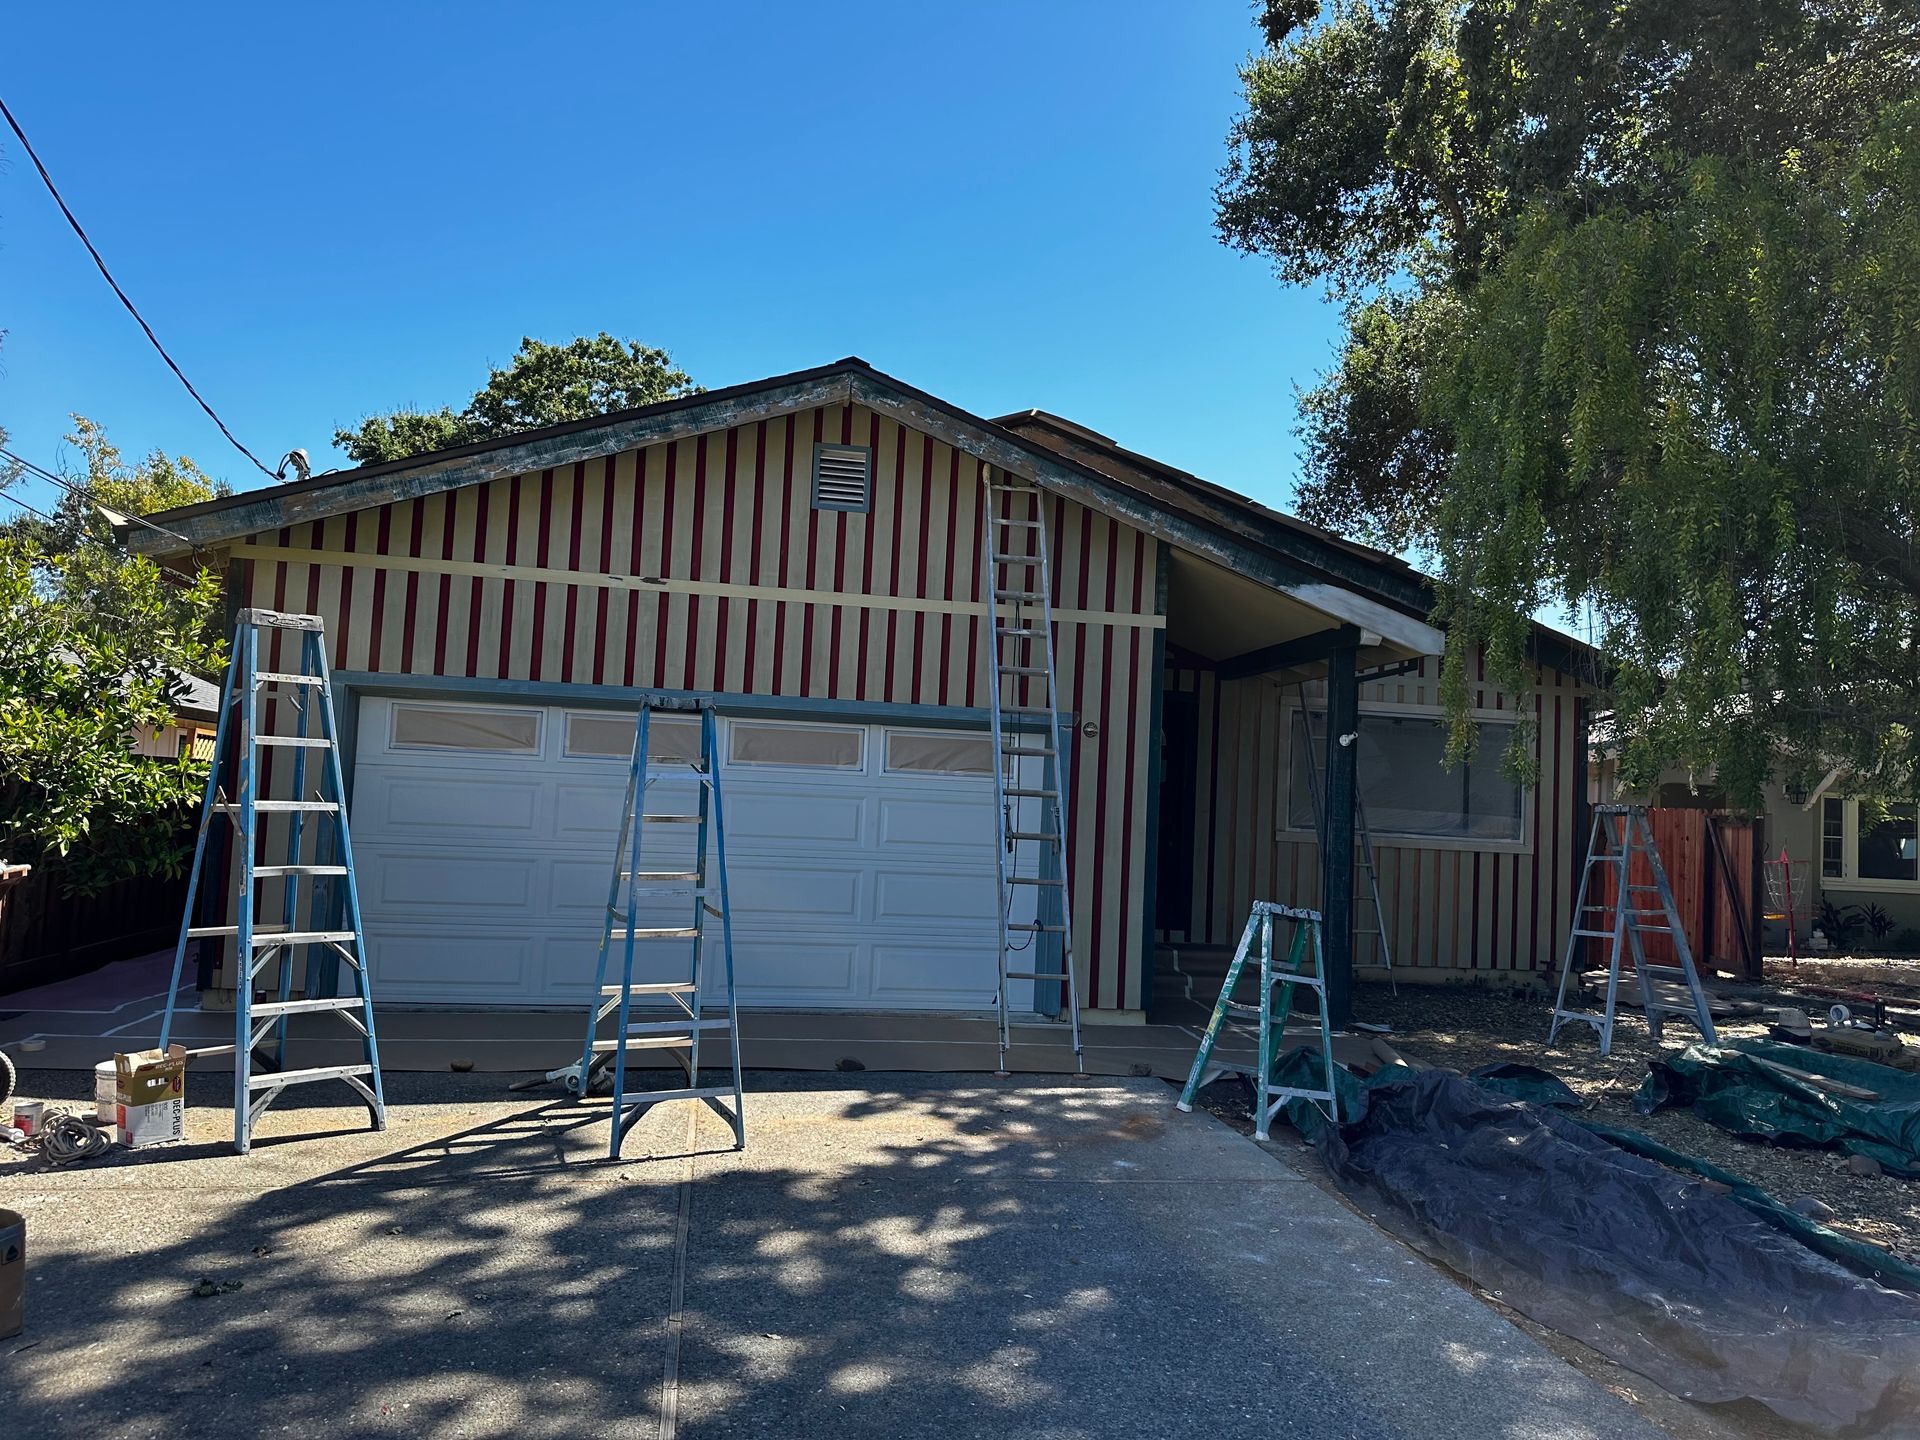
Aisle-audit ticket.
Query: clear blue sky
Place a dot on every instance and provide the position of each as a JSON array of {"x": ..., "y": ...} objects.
[{"x": 330, "y": 210}]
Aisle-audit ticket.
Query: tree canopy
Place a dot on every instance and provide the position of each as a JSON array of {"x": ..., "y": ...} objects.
[
  {"x": 93, "y": 647},
  {"x": 543, "y": 385},
  {"x": 1632, "y": 300}
]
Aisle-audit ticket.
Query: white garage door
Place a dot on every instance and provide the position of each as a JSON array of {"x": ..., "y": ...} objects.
[{"x": 860, "y": 857}]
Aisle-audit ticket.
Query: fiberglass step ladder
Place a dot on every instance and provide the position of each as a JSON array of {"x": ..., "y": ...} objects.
[
  {"x": 1030, "y": 800},
  {"x": 697, "y": 885},
  {"x": 1304, "y": 731},
  {"x": 259, "y": 1079},
  {"x": 1619, "y": 833}
]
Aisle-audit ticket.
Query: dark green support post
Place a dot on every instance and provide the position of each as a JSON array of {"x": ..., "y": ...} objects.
[{"x": 1336, "y": 860}]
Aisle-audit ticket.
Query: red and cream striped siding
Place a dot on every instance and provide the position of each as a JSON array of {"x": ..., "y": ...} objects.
[
  {"x": 547, "y": 577},
  {"x": 1448, "y": 908}
]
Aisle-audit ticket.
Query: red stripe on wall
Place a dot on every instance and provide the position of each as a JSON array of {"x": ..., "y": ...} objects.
[
  {"x": 569, "y": 597},
  {"x": 473, "y": 586},
  {"x": 696, "y": 558},
  {"x": 813, "y": 556},
  {"x": 893, "y": 618},
  {"x": 1126, "y": 728},
  {"x": 719, "y": 677},
  {"x": 346, "y": 596},
  {"x": 920, "y": 574},
  {"x": 664, "y": 602},
  {"x": 948, "y": 590},
  {"x": 786, "y": 516},
  {"x": 756, "y": 509},
  {"x": 542, "y": 542},
  {"x": 635, "y": 560},
  {"x": 506, "y": 591},
  {"x": 446, "y": 585},
  {"x": 383, "y": 535},
  {"x": 601, "y": 595},
  {"x": 414, "y": 537}
]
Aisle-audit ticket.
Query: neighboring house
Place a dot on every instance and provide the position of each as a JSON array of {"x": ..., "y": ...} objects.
[
  {"x": 196, "y": 710},
  {"x": 494, "y": 612}
]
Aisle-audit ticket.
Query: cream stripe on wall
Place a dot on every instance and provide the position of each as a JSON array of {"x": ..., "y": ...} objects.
[{"x": 910, "y": 571}]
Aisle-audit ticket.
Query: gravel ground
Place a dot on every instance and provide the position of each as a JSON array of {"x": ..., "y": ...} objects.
[{"x": 1463, "y": 1028}]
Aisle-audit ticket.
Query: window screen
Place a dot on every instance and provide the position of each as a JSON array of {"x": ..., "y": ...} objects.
[
  {"x": 1888, "y": 848},
  {"x": 442, "y": 727},
  {"x": 611, "y": 736},
  {"x": 1406, "y": 786},
  {"x": 936, "y": 753},
  {"x": 757, "y": 742},
  {"x": 1833, "y": 837}
]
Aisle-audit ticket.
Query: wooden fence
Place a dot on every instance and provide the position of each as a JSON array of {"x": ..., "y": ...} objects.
[
  {"x": 1713, "y": 864},
  {"x": 47, "y": 936}
]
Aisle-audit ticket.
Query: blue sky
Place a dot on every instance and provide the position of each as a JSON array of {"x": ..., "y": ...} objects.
[{"x": 330, "y": 210}]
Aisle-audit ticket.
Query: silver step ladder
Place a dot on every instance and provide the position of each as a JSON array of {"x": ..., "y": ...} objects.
[
  {"x": 316, "y": 921},
  {"x": 1304, "y": 968},
  {"x": 1621, "y": 832},
  {"x": 696, "y": 882},
  {"x": 1305, "y": 734},
  {"x": 1029, "y": 782}
]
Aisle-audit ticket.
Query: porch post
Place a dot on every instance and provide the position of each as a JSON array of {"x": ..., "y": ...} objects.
[{"x": 1336, "y": 856}]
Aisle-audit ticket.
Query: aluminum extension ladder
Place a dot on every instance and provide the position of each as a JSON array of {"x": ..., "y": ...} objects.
[
  {"x": 1031, "y": 807},
  {"x": 1256, "y": 942},
  {"x": 1363, "y": 837},
  {"x": 1619, "y": 833},
  {"x": 259, "y": 1079},
  {"x": 697, "y": 884}
]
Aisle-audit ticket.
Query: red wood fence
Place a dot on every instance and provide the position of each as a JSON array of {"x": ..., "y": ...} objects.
[{"x": 1713, "y": 864}]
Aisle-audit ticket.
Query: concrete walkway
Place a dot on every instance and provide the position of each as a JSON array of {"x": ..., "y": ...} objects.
[{"x": 893, "y": 1256}]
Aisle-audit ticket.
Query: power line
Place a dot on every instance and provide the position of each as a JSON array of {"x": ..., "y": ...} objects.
[
  {"x": 9, "y": 495},
  {"x": 52, "y": 190},
  {"x": 80, "y": 492}
]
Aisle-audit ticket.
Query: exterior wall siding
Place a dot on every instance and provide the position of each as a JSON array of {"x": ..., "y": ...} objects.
[
  {"x": 416, "y": 587},
  {"x": 1449, "y": 909}
]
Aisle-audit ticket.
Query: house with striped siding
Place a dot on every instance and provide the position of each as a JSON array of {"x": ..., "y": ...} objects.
[{"x": 807, "y": 550}]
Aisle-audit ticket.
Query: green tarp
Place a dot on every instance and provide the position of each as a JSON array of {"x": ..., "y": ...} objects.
[{"x": 1727, "y": 1086}]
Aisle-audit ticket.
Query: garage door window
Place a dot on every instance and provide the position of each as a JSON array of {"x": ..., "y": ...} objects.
[
  {"x": 934, "y": 752},
  {"x": 813, "y": 747},
  {"x": 599, "y": 736},
  {"x": 446, "y": 727}
]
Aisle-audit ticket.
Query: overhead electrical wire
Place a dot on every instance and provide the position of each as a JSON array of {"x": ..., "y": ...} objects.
[
  {"x": 31, "y": 510},
  {"x": 107, "y": 274},
  {"x": 81, "y": 492}
]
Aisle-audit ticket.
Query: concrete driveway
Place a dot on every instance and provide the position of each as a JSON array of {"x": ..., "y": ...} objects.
[{"x": 893, "y": 1256}]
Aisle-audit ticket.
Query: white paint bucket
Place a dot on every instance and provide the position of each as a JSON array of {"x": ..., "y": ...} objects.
[{"x": 106, "y": 1092}]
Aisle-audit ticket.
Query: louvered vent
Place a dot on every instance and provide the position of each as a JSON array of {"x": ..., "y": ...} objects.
[{"x": 842, "y": 477}]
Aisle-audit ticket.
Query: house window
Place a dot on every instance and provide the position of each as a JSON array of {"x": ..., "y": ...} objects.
[
  {"x": 842, "y": 477},
  {"x": 1870, "y": 844},
  {"x": 812, "y": 747},
  {"x": 938, "y": 752},
  {"x": 598, "y": 735},
  {"x": 478, "y": 727},
  {"x": 1405, "y": 784}
]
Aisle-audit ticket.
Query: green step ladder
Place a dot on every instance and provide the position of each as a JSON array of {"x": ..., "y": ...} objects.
[
  {"x": 1304, "y": 969},
  {"x": 260, "y": 1076},
  {"x": 697, "y": 883}
]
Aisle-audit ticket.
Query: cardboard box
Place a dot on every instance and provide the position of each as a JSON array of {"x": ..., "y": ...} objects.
[{"x": 150, "y": 1098}]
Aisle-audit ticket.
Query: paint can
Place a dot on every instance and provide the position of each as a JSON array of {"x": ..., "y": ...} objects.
[
  {"x": 106, "y": 1092},
  {"x": 13, "y": 1273},
  {"x": 29, "y": 1116}
]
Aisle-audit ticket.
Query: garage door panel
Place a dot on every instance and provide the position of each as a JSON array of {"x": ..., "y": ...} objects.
[
  {"x": 920, "y": 976},
  {"x": 949, "y": 823},
  {"x": 418, "y": 960},
  {"x": 916, "y": 895},
  {"x": 423, "y": 803},
  {"x": 763, "y": 891},
  {"x": 401, "y": 878},
  {"x": 806, "y": 818},
  {"x": 789, "y": 973}
]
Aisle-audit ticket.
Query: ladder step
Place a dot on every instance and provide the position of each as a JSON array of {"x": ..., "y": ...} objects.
[
  {"x": 697, "y": 1092},
  {"x": 659, "y": 875},
  {"x": 1023, "y": 669},
  {"x": 680, "y": 1026},
  {"x": 1029, "y": 928},
  {"x": 1026, "y": 632},
  {"x": 302, "y": 1077},
  {"x": 1019, "y": 597},
  {"x": 1026, "y": 750},
  {"x": 283, "y": 677},
  {"x": 1009, "y": 520},
  {"x": 1595, "y": 934},
  {"x": 1033, "y": 880},
  {"x": 651, "y": 987},
  {"x": 305, "y": 1007},
  {"x": 268, "y": 871},
  {"x": 667, "y": 932},
  {"x": 280, "y": 807},
  {"x": 304, "y": 937},
  {"x": 1034, "y": 975},
  {"x": 1032, "y": 794},
  {"x": 298, "y": 742},
  {"x": 646, "y": 1042},
  {"x": 670, "y": 819},
  {"x": 1001, "y": 557},
  {"x": 1031, "y": 835}
]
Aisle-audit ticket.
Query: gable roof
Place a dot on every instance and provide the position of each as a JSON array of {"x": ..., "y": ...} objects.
[{"x": 1366, "y": 588}]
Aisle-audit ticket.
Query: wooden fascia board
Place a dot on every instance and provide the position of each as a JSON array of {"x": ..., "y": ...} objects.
[
  {"x": 272, "y": 512},
  {"x": 1290, "y": 653},
  {"x": 1087, "y": 486}
]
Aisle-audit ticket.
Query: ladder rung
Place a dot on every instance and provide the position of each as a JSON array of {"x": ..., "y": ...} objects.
[
  {"x": 1596, "y": 934},
  {"x": 1027, "y": 631},
  {"x": 268, "y": 871},
  {"x": 1033, "y": 975},
  {"x": 646, "y": 1042},
  {"x": 279, "y": 807},
  {"x": 1029, "y": 928},
  {"x": 1033, "y": 880},
  {"x": 1009, "y": 520},
  {"x": 681, "y": 892},
  {"x": 264, "y": 936},
  {"x": 1026, "y": 750},
  {"x": 305, "y": 1007},
  {"x": 1019, "y": 597},
  {"x": 1002, "y": 557},
  {"x": 283, "y": 677},
  {"x": 668, "y": 932},
  {"x": 697, "y": 1092},
  {"x": 305, "y": 742},
  {"x": 301, "y": 1077},
  {"x": 1031, "y": 835},
  {"x": 304, "y": 937},
  {"x": 683, "y": 1025},
  {"x": 1023, "y": 669},
  {"x": 651, "y": 987},
  {"x": 659, "y": 875},
  {"x": 1033, "y": 794},
  {"x": 1243, "y": 1012},
  {"x": 670, "y": 819}
]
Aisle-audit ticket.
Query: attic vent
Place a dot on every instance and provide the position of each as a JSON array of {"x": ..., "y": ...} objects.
[{"x": 842, "y": 477}]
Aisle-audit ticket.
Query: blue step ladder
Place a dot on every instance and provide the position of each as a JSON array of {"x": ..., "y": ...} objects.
[
  {"x": 697, "y": 884},
  {"x": 260, "y": 1074}
]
